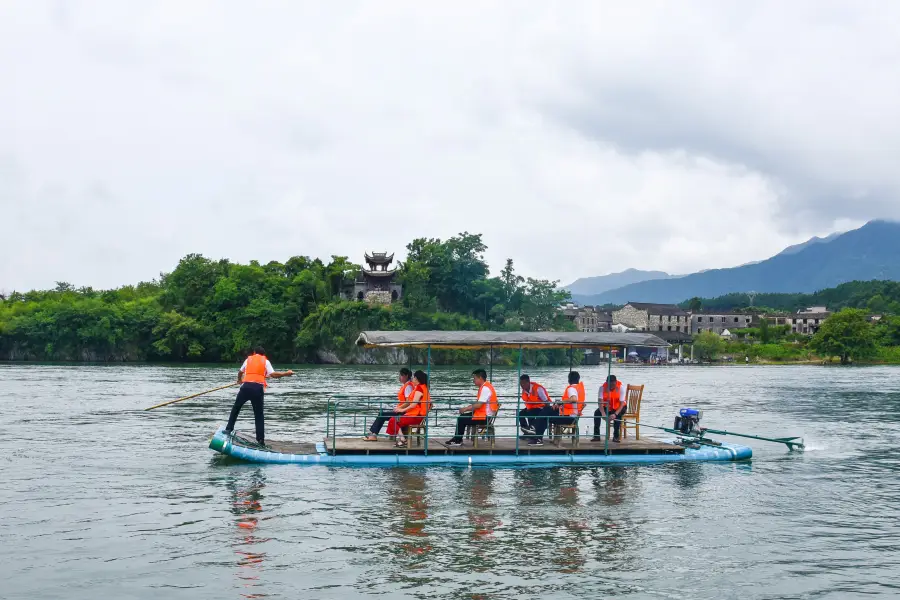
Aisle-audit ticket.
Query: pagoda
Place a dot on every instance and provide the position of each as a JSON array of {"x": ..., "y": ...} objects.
[{"x": 376, "y": 284}]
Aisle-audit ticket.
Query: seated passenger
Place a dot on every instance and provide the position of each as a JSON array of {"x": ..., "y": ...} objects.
[
  {"x": 403, "y": 395},
  {"x": 484, "y": 407},
  {"x": 611, "y": 399},
  {"x": 415, "y": 410},
  {"x": 536, "y": 399},
  {"x": 561, "y": 413}
]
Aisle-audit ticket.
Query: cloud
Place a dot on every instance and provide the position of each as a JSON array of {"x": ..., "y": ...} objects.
[{"x": 579, "y": 138}]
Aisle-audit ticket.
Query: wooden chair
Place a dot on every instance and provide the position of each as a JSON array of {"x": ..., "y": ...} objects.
[
  {"x": 486, "y": 430},
  {"x": 560, "y": 430},
  {"x": 417, "y": 432},
  {"x": 633, "y": 395}
]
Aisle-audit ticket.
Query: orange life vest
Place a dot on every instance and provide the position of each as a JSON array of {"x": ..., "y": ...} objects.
[
  {"x": 480, "y": 413},
  {"x": 402, "y": 396},
  {"x": 582, "y": 397},
  {"x": 256, "y": 369},
  {"x": 421, "y": 407},
  {"x": 531, "y": 398},
  {"x": 615, "y": 399},
  {"x": 568, "y": 408}
]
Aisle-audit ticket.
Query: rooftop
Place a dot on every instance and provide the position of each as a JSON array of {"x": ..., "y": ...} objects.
[
  {"x": 659, "y": 309},
  {"x": 379, "y": 258}
]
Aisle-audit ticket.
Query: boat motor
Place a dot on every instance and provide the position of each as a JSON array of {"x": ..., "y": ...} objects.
[{"x": 688, "y": 421}]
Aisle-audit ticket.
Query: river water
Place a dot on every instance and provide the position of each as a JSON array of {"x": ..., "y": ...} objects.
[{"x": 103, "y": 500}]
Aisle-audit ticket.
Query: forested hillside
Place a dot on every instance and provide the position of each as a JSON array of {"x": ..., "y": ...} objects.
[
  {"x": 874, "y": 296},
  {"x": 215, "y": 310}
]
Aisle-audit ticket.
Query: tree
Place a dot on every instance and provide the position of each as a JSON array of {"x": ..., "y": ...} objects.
[
  {"x": 695, "y": 304},
  {"x": 847, "y": 334},
  {"x": 708, "y": 345}
]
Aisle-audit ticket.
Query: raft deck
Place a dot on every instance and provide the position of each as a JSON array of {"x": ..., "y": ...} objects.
[{"x": 501, "y": 446}]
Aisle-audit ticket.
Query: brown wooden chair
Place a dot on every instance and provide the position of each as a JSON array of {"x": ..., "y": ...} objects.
[
  {"x": 485, "y": 430},
  {"x": 417, "y": 432},
  {"x": 560, "y": 430},
  {"x": 633, "y": 394}
]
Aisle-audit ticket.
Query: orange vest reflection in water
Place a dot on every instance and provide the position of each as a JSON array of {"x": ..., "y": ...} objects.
[{"x": 247, "y": 509}]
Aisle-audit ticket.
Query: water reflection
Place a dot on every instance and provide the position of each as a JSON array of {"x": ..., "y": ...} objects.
[
  {"x": 246, "y": 505},
  {"x": 409, "y": 497}
]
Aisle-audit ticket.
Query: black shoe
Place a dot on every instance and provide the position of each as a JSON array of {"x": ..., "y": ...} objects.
[
  {"x": 452, "y": 443},
  {"x": 596, "y": 438},
  {"x": 537, "y": 442},
  {"x": 615, "y": 439}
]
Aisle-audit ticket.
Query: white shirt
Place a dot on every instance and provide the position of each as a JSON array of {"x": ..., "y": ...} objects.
[
  {"x": 542, "y": 394},
  {"x": 269, "y": 369},
  {"x": 485, "y": 397},
  {"x": 571, "y": 394},
  {"x": 408, "y": 390}
]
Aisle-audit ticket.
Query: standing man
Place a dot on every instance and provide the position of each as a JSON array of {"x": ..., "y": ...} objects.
[
  {"x": 484, "y": 407},
  {"x": 404, "y": 394},
  {"x": 613, "y": 404},
  {"x": 252, "y": 377},
  {"x": 535, "y": 397}
]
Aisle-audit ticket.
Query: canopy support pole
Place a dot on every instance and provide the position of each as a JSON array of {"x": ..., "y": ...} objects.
[
  {"x": 428, "y": 373},
  {"x": 570, "y": 359},
  {"x": 491, "y": 363},
  {"x": 518, "y": 401},
  {"x": 608, "y": 373}
]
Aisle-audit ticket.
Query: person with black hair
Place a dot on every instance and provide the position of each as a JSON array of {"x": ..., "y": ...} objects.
[
  {"x": 536, "y": 399},
  {"x": 407, "y": 388},
  {"x": 414, "y": 412},
  {"x": 252, "y": 377},
  {"x": 484, "y": 407},
  {"x": 613, "y": 405},
  {"x": 560, "y": 413}
]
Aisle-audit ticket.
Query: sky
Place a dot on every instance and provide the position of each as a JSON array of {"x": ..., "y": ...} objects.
[{"x": 579, "y": 138}]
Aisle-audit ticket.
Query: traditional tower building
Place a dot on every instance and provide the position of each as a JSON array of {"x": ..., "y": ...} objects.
[{"x": 376, "y": 283}]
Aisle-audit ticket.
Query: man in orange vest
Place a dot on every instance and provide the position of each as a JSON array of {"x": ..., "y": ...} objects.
[
  {"x": 403, "y": 397},
  {"x": 252, "y": 377},
  {"x": 484, "y": 407},
  {"x": 560, "y": 413},
  {"x": 613, "y": 404},
  {"x": 536, "y": 399}
]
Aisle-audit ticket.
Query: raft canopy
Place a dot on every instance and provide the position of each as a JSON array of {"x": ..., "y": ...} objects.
[{"x": 506, "y": 339}]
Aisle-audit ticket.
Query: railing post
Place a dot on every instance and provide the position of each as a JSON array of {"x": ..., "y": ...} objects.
[
  {"x": 428, "y": 373},
  {"x": 608, "y": 373},
  {"x": 518, "y": 401},
  {"x": 327, "y": 420}
]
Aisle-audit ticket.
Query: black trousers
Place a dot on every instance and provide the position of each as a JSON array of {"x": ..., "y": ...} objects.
[
  {"x": 383, "y": 417},
  {"x": 551, "y": 417},
  {"x": 527, "y": 417},
  {"x": 462, "y": 422},
  {"x": 617, "y": 416},
  {"x": 253, "y": 392}
]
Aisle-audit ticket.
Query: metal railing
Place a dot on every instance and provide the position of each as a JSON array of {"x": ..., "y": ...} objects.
[{"x": 350, "y": 416}]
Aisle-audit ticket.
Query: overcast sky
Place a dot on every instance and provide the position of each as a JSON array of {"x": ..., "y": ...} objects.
[{"x": 578, "y": 138}]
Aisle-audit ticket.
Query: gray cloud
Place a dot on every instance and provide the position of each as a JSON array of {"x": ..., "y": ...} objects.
[{"x": 579, "y": 138}]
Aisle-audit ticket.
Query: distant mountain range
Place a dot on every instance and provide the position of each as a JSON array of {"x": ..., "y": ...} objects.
[
  {"x": 870, "y": 252},
  {"x": 590, "y": 286}
]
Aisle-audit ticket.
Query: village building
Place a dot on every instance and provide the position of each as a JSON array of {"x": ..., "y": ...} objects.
[
  {"x": 642, "y": 316},
  {"x": 377, "y": 284},
  {"x": 808, "y": 321},
  {"x": 588, "y": 318},
  {"x": 719, "y": 321}
]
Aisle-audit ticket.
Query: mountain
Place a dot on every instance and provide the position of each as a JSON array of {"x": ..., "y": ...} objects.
[
  {"x": 587, "y": 286},
  {"x": 870, "y": 252},
  {"x": 813, "y": 240}
]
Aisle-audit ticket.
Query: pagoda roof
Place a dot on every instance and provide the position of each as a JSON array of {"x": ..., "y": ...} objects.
[
  {"x": 379, "y": 258},
  {"x": 379, "y": 274}
]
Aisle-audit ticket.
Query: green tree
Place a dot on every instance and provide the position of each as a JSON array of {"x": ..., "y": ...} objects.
[
  {"x": 847, "y": 334},
  {"x": 695, "y": 304},
  {"x": 708, "y": 345}
]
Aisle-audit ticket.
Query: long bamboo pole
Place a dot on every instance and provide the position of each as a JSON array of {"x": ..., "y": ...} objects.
[{"x": 192, "y": 396}]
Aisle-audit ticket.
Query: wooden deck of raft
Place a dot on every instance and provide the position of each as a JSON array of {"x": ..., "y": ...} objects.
[
  {"x": 356, "y": 445},
  {"x": 504, "y": 446}
]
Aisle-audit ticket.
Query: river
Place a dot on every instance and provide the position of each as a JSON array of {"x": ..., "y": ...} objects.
[{"x": 104, "y": 500}]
